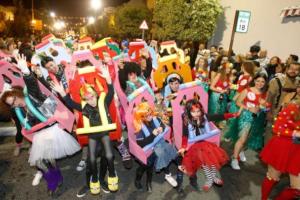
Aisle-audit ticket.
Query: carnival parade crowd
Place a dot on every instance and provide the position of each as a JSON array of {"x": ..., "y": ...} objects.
[{"x": 175, "y": 106}]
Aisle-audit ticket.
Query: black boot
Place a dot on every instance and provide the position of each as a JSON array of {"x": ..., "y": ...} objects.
[
  {"x": 139, "y": 174},
  {"x": 149, "y": 179},
  {"x": 193, "y": 182},
  {"x": 179, "y": 180}
]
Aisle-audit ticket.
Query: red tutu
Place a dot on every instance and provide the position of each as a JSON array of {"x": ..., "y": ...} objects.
[
  {"x": 203, "y": 153},
  {"x": 282, "y": 154}
]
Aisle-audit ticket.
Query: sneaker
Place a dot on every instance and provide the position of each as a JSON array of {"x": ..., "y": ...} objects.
[
  {"x": 180, "y": 192},
  {"x": 235, "y": 164},
  {"x": 17, "y": 150},
  {"x": 169, "y": 178},
  {"x": 242, "y": 156},
  {"x": 218, "y": 182},
  {"x": 94, "y": 187},
  {"x": 37, "y": 178},
  {"x": 81, "y": 165},
  {"x": 126, "y": 157},
  {"x": 104, "y": 187},
  {"x": 113, "y": 183},
  {"x": 82, "y": 192}
]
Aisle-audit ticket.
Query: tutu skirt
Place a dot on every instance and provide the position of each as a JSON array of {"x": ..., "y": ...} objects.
[
  {"x": 217, "y": 103},
  {"x": 52, "y": 143},
  {"x": 203, "y": 153},
  {"x": 282, "y": 154},
  {"x": 231, "y": 129}
]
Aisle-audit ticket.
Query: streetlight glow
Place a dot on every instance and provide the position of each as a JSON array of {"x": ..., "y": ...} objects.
[
  {"x": 95, "y": 4},
  {"x": 91, "y": 20},
  {"x": 59, "y": 25},
  {"x": 52, "y": 14}
]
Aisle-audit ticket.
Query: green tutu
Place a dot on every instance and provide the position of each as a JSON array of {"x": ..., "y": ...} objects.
[
  {"x": 247, "y": 123},
  {"x": 231, "y": 129},
  {"x": 217, "y": 105}
]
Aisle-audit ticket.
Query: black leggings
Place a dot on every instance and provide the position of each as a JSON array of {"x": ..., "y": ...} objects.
[
  {"x": 19, "y": 136},
  {"x": 96, "y": 145}
]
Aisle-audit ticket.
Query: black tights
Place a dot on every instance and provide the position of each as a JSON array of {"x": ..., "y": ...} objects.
[{"x": 96, "y": 145}]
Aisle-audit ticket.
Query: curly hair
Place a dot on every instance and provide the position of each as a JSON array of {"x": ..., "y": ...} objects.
[{"x": 140, "y": 113}]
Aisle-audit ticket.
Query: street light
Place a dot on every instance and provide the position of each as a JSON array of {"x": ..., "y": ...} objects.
[
  {"x": 95, "y": 4},
  {"x": 52, "y": 14},
  {"x": 91, "y": 20},
  {"x": 59, "y": 25}
]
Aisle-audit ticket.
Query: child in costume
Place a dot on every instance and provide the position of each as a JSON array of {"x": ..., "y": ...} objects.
[
  {"x": 172, "y": 84},
  {"x": 49, "y": 143},
  {"x": 250, "y": 124},
  {"x": 202, "y": 154},
  {"x": 282, "y": 153},
  {"x": 148, "y": 127},
  {"x": 99, "y": 140},
  {"x": 130, "y": 77},
  {"x": 202, "y": 72},
  {"x": 219, "y": 86}
]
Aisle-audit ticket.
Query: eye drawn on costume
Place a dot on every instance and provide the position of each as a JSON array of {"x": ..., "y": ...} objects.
[
  {"x": 16, "y": 74},
  {"x": 6, "y": 79}
]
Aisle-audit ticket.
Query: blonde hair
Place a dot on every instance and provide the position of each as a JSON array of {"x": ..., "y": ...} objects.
[
  {"x": 140, "y": 113},
  {"x": 87, "y": 89}
]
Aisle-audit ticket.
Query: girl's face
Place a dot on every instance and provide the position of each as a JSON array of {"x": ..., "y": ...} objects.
[
  {"x": 91, "y": 99},
  {"x": 15, "y": 101},
  {"x": 132, "y": 77},
  {"x": 143, "y": 64},
  {"x": 274, "y": 61},
  {"x": 174, "y": 86},
  {"x": 201, "y": 62},
  {"x": 148, "y": 117},
  {"x": 196, "y": 113},
  {"x": 52, "y": 67},
  {"x": 228, "y": 70},
  {"x": 260, "y": 83}
]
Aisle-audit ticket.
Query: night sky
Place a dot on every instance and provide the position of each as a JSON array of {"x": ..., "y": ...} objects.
[{"x": 66, "y": 7}]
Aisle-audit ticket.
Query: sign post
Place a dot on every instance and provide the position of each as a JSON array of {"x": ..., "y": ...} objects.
[
  {"x": 240, "y": 25},
  {"x": 144, "y": 26}
]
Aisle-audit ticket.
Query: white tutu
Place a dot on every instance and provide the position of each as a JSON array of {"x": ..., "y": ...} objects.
[{"x": 52, "y": 143}]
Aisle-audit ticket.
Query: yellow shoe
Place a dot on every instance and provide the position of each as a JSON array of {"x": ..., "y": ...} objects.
[
  {"x": 113, "y": 183},
  {"x": 95, "y": 187}
]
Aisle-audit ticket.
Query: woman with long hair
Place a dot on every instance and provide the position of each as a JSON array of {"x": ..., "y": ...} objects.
[{"x": 250, "y": 125}]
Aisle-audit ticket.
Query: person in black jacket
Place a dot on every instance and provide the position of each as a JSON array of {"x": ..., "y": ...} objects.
[
  {"x": 99, "y": 140},
  {"x": 48, "y": 143}
]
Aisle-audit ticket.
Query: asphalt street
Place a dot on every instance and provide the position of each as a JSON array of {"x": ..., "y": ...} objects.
[{"x": 16, "y": 176}]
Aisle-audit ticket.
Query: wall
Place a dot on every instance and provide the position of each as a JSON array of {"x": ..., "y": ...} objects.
[{"x": 280, "y": 36}]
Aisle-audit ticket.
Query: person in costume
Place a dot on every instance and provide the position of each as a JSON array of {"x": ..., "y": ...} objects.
[
  {"x": 202, "y": 154},
  {"x": 99, "y": 140},
  {"x": 130, "y": 77},
  {"x": 148, "y": 127},
  {"x": 49, "y": 143},
  {"x": 282, "y": 152},
  {"x": 171, "y": 88},
  {"x": 219, "y": 87},
  {"x": 244, "y": 80},
  {"x": 56, "y": 71},
  {"x": 124, "y": 46},
  {"x": 250, "y": 124},
  {"x": 202, "y": 72}
]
